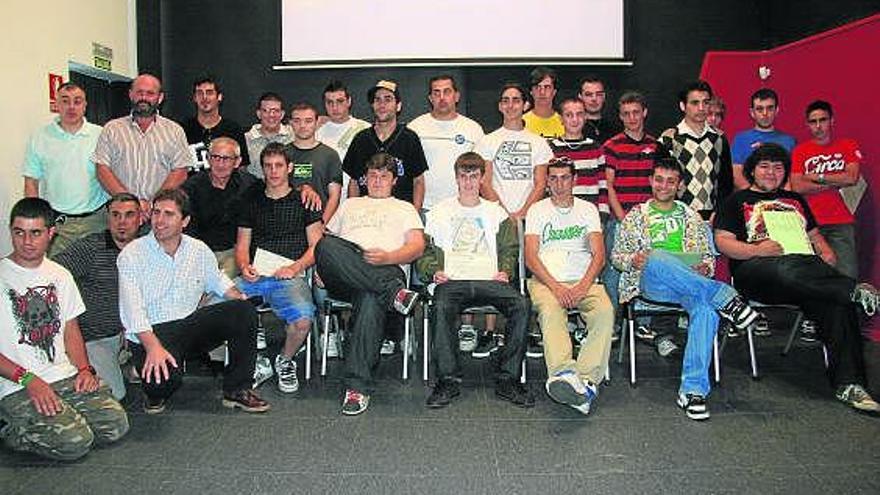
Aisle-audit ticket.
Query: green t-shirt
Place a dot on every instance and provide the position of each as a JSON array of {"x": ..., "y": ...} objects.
[{"x": 666, "y": 228}]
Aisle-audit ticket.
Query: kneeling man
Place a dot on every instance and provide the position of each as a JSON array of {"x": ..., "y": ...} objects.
[
  {"x": 52, "y": 403},
  {"x": 472, "y": 258}
]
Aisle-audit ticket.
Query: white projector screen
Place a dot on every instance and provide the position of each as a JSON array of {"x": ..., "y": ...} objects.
[{"x": 428, "y": 32}]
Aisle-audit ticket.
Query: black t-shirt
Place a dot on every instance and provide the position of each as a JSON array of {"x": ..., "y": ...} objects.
[
  {"x": 215, "y": 211},
  {"x": 199, "y": 138},
  {"x": 602, "y": 130},
  {"x": 318, "y": 167},
  {"x": 403, "y": 144},
  {"x": 277, "y": 225},
  {"x": 742, "y": 214}
]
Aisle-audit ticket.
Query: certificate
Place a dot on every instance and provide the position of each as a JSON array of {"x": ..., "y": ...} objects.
[
  {"x": 266, "y": 263},
  {"x": 787, "y": 228},
  {"x": 469, "y": 266}
]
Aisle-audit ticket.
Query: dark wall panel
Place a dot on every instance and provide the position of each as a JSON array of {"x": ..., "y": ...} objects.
[{"x": 240, "y": 41}]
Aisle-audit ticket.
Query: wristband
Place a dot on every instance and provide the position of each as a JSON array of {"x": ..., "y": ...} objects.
[
  {"x": 26, "y": 378},
  {"x": 89, "y": 368},
  {"x": 18, "y": 373}
]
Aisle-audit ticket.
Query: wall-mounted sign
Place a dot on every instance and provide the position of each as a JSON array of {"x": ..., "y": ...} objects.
[
  {"x": 103, "y": 56},
  {"x": 54, "y": 82}
]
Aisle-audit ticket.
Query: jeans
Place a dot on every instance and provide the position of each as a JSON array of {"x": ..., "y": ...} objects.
[
  {"x": 452, "y": 297},
  {"x": 104, "y": 356},
  {"x": 371, "y": 290},
  {"x": 842, "y": 239},
  {"x": 233, "y": 322},
  {"x": 822, "y": 293},
  {"x": 665, "y": 278},
  {"x": 290, "y": 299},
  {"x": 610, "y": 275}
]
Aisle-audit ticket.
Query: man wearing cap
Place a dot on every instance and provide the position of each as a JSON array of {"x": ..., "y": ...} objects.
[{"x": 387, "y": 135}]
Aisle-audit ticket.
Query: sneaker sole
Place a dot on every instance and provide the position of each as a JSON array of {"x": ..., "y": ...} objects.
[
  {"x": 534, "y": 355},
  {"x": 481, "y": 355},
  {"x": 359, "y": 411},
  {"x": 231, "y": 404},
  {"x": 564, "y": 393},
  {"x": 696, "y": 416},
  {"x": 154, "y": 410},
  {"x": 286, "y": 389}
]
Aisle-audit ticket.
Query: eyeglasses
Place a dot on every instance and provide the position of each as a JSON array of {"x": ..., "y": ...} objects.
[{"x": 222, "y": 158}]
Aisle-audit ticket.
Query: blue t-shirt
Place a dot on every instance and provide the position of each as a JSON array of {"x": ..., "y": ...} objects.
[{"x": 746, "y": 141}]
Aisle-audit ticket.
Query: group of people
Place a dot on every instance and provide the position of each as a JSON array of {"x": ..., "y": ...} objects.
[{"x": 154, "y": 237}]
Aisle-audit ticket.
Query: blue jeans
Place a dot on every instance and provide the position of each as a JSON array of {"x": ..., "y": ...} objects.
[
  {"x": 290, "y": 299},
  {"x": 667, "y": 279},
  {"x": 610, "y": 276}
]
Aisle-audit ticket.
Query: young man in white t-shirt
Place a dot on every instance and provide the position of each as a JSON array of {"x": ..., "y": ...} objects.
[
  {"x": 52, "y": 403},
  {"x": 471, "y": 259},
  {"x": 359, "y": 260},
  {"x": 516, "y": 158},
  {"x": 445, "y": 135},
  {"x": 338, "y": 127},
  {"x": 565, "y": 251}
]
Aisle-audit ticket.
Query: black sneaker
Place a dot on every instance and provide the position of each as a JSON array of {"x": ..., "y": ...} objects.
[
  {"x": 405, "y": 301},
  {"x": 511, "y": 390},
  {"x": 443, "y": 392},
  {"x": 486, "y": 345},
  {"x": 154, "y": 405},
  {"x": 868, "y": 297},
  {"x": 534, "y": 346},
  {"x": 738, "y": 311},
  {"x": 762, "y": 327},
  {"x": 694, "y": 406}
]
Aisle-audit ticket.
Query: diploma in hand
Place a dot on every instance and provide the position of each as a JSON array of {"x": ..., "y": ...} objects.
[
  {"x": 469, "y": 266},
  {"x": 266, "y": 263},
  {"x": 787, "y": 228}
]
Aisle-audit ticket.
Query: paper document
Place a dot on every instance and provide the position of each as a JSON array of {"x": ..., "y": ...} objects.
[
  {"x": 689, "y": 259},
  {"x": 267, "y": 263},
  {"x": 468, "y": 266},
  {"x": 787, "y": 228},
  {"x": 853, "y": 194}
]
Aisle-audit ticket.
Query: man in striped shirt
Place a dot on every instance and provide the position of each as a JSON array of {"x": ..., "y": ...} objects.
[
  {"x": 585, "y": 152},
  {"x": 143, "y": 152}
]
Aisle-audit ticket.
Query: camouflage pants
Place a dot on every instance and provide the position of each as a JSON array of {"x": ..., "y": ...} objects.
[{"x": 86, "y": 419}]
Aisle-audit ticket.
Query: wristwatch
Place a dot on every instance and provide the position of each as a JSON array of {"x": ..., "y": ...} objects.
[{"x": 821, "y": 178}]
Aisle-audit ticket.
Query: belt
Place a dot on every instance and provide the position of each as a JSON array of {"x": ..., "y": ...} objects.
[{"x": 80, "y": 215}]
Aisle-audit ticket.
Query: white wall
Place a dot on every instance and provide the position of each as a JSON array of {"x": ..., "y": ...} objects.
[{"x": 39, "y": 37}]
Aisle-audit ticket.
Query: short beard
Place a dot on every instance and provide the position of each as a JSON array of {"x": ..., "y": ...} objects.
[{"x": 147, "y": 110}]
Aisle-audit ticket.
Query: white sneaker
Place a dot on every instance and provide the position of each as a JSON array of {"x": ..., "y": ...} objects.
[
  {"x": 262, "y": 370},
  {"x": 333, "y": 345},
  {"x": 467, "y": 338},
  {"x": 286, "y": 368},
  {"x": 387, "y": 348},
  {"x": 261, "y": 339},
  {"x": 566, "y": 387}
]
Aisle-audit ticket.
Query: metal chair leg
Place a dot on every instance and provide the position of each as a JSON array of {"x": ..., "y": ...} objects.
[
  {"x": 309, "y": 355},
  {"x": 326, "y": 339},
  {"x": 752, "y": 357},
  {"x": 716, "y": 359},
  {"x": 406, "y": 347},
  {"x": 425, "y": 343},
  {"x": 632, "y": 352}
]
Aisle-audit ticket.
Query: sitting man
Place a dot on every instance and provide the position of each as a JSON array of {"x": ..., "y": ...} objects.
[
  {"x": 663, "y": 250},
  {"x": 51, "y": 400},
  {"x": 565, "y": 251},
  {"x": 92, "y": 262},
  {"x": 273, "y": 220},
  {"x": 360, "y": 259},
  {"x": 162, "y": 277},
  {"x": 472, "y": 257},
  {"x": 778, "y": 256}
]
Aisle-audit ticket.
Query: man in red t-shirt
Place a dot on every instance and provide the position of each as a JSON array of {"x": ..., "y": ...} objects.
[{"x": 820, "y": 168}]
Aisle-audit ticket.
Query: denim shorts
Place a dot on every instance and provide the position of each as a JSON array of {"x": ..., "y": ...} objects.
[{"x": 290, "y": 299}]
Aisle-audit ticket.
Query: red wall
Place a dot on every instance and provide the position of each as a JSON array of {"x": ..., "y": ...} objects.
[{"x": 841, "y": 66}]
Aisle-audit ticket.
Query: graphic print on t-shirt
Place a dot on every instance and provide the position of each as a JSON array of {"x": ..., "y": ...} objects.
[
  {"x": 824, "y": 164},
  {"x": 469, "y": 236},
  {"x": 513, "y": 161},
  {"x": 666, "y": 228},
  {"x": 36, "y": 314},
  {"x": 756, "y": 230}
]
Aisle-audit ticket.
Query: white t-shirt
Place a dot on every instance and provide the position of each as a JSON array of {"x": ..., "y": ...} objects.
[
  {"x": 564, "y": 247},
  {"x": 35, "y": 305},
  {"x": 514, "y": 155},
  {"x": 375, "y": 223},
  {"x": 444, "y": 141},
  {"x": 466, "y": 230},
  {"x": 338, "y": 137}
]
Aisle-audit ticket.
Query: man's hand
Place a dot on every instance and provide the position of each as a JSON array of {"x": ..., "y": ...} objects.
[
  {"x": 43, "y": 397},
  {"x": 156, "y": 365},
  {"x": 288, "y": 272},
  {"x": 562, "y": 295},
  {"x": 249, "y": 273},
  {"x": 146, "y": 210},
  {"x": 501, "y": 277},
  {"x": 86, "y": 382},
  {"x": 767, "y": 248},
  {"x": 440, "y": 277},
  {"x": 317, "y": 279},
  {"x": 578, "y": 293},
  {"x": 233, "y": 294},
  {"x": 639, "y": 259},
  {"x": 519, "y": 214},
  {"x": 310, "y": 199},
  {"x": 829, "y": 257},
  {"x": 376, "y": 256}
]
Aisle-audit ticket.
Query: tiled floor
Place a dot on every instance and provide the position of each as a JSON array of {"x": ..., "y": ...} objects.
[{"x": 781, "y": 434}]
